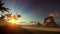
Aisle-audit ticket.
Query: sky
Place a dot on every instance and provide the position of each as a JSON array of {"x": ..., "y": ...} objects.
[{"x": 34, "y": 10}]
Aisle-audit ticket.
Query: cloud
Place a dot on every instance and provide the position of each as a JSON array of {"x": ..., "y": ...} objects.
[{"x": 55, "y": 14}]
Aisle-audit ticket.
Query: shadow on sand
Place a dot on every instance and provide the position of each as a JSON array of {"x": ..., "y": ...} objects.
[{"x": 6, "y": 30}]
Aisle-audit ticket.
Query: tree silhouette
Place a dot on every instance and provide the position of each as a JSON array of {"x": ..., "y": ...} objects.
[{"x": 3, "y": 9}]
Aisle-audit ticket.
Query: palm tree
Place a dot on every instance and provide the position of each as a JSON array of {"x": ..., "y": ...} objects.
[{"x": 3, "y": 9}]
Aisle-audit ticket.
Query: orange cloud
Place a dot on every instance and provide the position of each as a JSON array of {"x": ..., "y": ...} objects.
[{"x": 54, "y": 14}]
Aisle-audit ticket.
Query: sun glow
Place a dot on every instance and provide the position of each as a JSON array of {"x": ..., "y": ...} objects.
[{"x": 12, "y": 20}]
